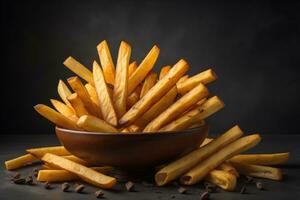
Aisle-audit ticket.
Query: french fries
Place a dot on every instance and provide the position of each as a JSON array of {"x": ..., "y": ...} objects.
[
  {"x": 83, "y": 94},
  {"x": 64, "y": 92},
  {"x": 143, "y": 69},
  {"x": 149, "y": 82},
  {"x": 77, "y": 104},
  {"x": 93, "y": 94},
  {"x": 203, "y": 77},
  {"x": 121, "y": 84},
  {"x": 107, "y": 108},
  {"x": 164, "y": 70},
  {"x": 90, "y": 123},
  {"x": 106, "y": 62},
  {"x": 188, "y": 100},
  {"x": 60, "y": 175},
  {"x": 177, "y": 168},
  {"x": 131, "y": 68},
  {"x": 228, "y": 167},
  {"x": 64, "y": 109},
  {"x": 262, "y": 159},
  {"x": 223, "y": 179},
  {"x": 79, "y": 69},
  {"x": 20, "y": 161},
  {"x": 89, "y": 175},
  {"x": 157, "y": 91},
  {"x": 55, "y": 117},
  {"x": 203, "y": 168},
  {"x": 41, "y": 151},
  {"x": 258, "y": 171}
]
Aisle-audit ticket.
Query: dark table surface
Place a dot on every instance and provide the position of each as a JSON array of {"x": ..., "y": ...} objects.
[{"x": 14, "y": 145}]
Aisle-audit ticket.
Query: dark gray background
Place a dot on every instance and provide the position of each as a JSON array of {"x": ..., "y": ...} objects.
[{"x": 252, "y": 46}]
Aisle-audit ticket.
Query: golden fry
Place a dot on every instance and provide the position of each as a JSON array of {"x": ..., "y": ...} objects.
[
  {"x": 149, "y": 82},
  {"x": 107, "y": 108},
  {"x": 182, "y": 79},
  {"x": 55, "y": 117},
  {"x": 154, "y": 95},
  {"x": 134, "y": 97},
  {"x": 41, "y": 151},
  {"x": 90, "y": 123},
  {"x": 131, "y": 68},
  {"x": 180, "y": 106},
  {"x": 77, "y": 104},
  {"x": 19, "y": 161},
  {"x": 228, "y": 167},
  {"x": 106, "y": 62},
  {"x": 93, "y": 94},
  {"x": 164, "y": 70},
  {"x": 121, "y": 84},
  {"x": 89, "y": 175},
  {"x": 133, "y": 128},
  {"x": 64, "y": 109},
  {"x": 203, "y": 168},
  {"x": 64, "y": 92},
  {"x": 223, "y": 179},
  {"x": 203, "y": 77},
  {"x": 79, "y": 69},
  {"x": 143, "y": 69}
]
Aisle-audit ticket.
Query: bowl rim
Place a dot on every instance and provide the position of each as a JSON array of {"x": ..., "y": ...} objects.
[{"x": 187, "y": 131}]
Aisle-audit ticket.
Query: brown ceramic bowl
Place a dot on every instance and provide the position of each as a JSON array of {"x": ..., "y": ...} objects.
[{"x": 130, "y": 151}]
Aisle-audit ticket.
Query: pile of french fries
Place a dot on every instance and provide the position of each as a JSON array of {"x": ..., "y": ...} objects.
[{"x": 132, "y": 98}]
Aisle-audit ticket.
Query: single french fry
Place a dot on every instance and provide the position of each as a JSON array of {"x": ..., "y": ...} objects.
[
  {"x": 154, "y": 95},
  {"x": 64, "y": 109},
  {"x": 55, "y": 117},
  {"x": 83, "y": 94},
  {"x": 182, "y": 79},
  {"x": 157, "y": 108},
  {"x": 223, "y": 179},
  {"x": 228, "y": 167},
  {"x": 121, "y": 80},
  {"x": 164, "y": 70},
  {"x": 107, "y": 108},
  {"x": 131, "y": 68},
  {"x": 262, "y": 159},
  {"x": 39, "y": 152},
  {"x": 149, "y": 82},
  {"x": 203, "y": 168},
  {"x": 177, "y": 168},
  {"x": 180, "y": 106},
  {"x": 133, "y": 128},
  {"x": 78, "y": 105},
  {"x": 106, "y": 62},
  {"x": 203, "y": 77},
  {"x": 79, "y": 69},
  {"x": 64, "y": 92},
  {"x": 206, "y": 141},
  {"x": 20, "y": 161},
  {"x": 91, "y": 123},
  {"x": 93, "y": 94},
  {"x": 134, "y": 97},
  {"x": 89, "y": 175},
  {"x": 143, "y": 69},
  {"x": 258, "y": 171},
  {"x": 76, "y": 159},
  {"x": 60, "y": 175}
]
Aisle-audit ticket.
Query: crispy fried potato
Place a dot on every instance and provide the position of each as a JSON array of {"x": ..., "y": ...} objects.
[
  {"x": 143, "y": 69},
  {"x": 121, "y": 84},
  {"x": 262, "y": 159},
  {"x": 106, "y": 62},
  {"x": 76, "y": 159},
  {"x": 206, "y": 141},
  {"x": 149, "y": 82},
  {"x": 182, "y": 79},
  {"x": 107, "y": 108},
  {"x": 133, "y": 128},
  {"x": 228, "y": 167},
  {"x": 134, "y": 97},
  {"x": 41, "y": 151},
  {"x": 20, "y": 161},
  {"x": 64, "y": 92},
  {"x": 64, "y": 109},
  {"x": 156, "y": 92},
  {"x": 203, "y": 77},
  {"x": 164, "y": 70},
  {"x": 89, "y": 175},
  {"x": 180, "y": 106},
  {"x": 78, "y": 105},
  {"x": 223, "y": 179},
  {"x": 131, "y": 68},
  {"x": 178, "y": 167},
  {"x": 60, "y": 175},
  {"x": 90, "y": 123},
  {"x": 258, "y": 171},
  {"x": 79, "y": 69},
  {"x": 93, "y": 94},
  {"x": 55, "y": 117},
  {"x": 157, "y": 108},
  {"x": 83, "y": 94},
  {"x": 203, "y": 168}
]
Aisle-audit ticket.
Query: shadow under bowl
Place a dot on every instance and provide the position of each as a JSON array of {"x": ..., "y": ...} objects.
[{"x": 131, "y": 151}]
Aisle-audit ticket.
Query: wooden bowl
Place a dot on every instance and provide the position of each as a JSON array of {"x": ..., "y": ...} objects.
[{"x": 130, "y": 151}]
